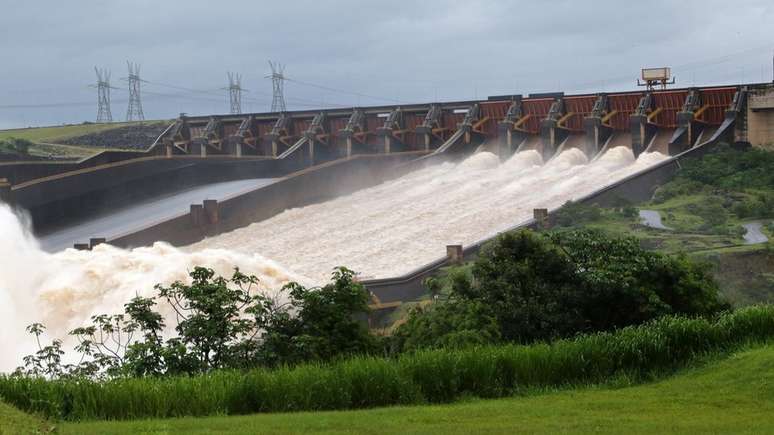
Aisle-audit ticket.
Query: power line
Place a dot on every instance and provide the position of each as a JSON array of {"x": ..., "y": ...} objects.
[
  {"x": 134, "y": 109},
  {"x": 340, "y": 91}
]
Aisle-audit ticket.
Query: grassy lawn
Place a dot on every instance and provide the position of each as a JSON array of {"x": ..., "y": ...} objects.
[{"x": 730, "y": 395}]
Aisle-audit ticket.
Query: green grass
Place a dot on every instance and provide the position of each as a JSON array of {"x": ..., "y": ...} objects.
[
  {"x": 13, "y": 422},
  {"x": 46, "y": 138},
  {"x": 55, "y": 133},
  {"x": 730, "y": 395},
  {"x": 431, "y": 376}
]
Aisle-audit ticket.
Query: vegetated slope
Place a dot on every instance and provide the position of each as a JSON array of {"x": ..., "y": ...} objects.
[
  {"x": 13, "y": 422},
  {"x": 59, "y": 142},
  {"x": 133, "y": 136},
  {"x": 732, "y": 395},
  {"x": 704, "y": 208}
]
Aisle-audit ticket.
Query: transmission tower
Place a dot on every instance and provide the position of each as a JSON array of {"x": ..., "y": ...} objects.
[
  {"x": 278, "y": 84},
  {"x": 103, "y": 95},
  {"x": 235, "y": 92},
  {"x": 134, "y": 111}
]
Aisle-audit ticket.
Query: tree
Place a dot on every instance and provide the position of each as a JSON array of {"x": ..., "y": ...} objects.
[
  {"x": 323, "y": 325},
  {"x": 543, "y": 286},
  {"x": 451, "y": 324},
  {"x": 209, "y": 314}
]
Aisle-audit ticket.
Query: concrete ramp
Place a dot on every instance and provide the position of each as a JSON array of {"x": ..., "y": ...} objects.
[
  {"x": 451, "y": 142},
  {"x": 288, "y": 152},
  {"x": 660, "y": 141}
]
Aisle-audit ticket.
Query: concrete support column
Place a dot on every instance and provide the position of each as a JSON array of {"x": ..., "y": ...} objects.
[
  {"x": 349, "y": 146},
  {"x": 387, "y": 144},
  {"x": 642, "y": 133},
  {"x": 169, "y": 148},
  {"x": 211, "y": 211},
  {"x": 94, "y": 241},
  {"x": 311, "y": 151},
  {"x": 238, "y": 149},
  {"x": 454, "y": 253},
  {"x": 274, "y": 148},
  {"x": 467, "y": 136},
  {"x": 427, "y": 142},
  {"x": 197, "y": 215},
  {"x": 541, "y": 217},
  {"x": 203, "y": 150}
]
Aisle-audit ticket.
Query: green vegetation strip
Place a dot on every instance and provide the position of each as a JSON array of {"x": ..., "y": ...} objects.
[
  {"x": 729, "y": 395},
  {"x": 432, "y": 376}
]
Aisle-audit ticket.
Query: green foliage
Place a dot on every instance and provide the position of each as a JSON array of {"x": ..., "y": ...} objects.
[
  {"x": 426, "y": 376},
  {"x": 220, "y": 325},
  {"x": 678, "y": 187},
  {"x": 731, "y": 169},
  {"x": 13, "y": 145},
  {"x": 453, "y": 324},
  {"x": 539, "y": 287},
  {"x": 323, "y": 324},
  {"x": 574, "y": 213}
]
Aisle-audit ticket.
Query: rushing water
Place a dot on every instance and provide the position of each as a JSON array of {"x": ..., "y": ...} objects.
[
  {"x": 399, "y": 225},
  {"x": 382, "y": 231}
]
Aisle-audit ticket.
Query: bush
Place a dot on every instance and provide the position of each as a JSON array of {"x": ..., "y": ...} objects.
[
  {"x": 428, "y": 376},
  {"x": 14, "y": 145},
  {"x": 574, "y": 213},
  {"x": 544, "y": 286}
]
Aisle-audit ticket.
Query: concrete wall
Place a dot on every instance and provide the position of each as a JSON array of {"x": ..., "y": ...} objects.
[
  {"x": 20, "y": 172},
  {"x": 83, "y": 193},
  {"x": 298, "y": 189},
  {"x": 760, "y": 118}
]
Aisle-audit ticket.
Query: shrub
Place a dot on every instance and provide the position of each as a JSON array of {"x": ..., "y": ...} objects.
[{"x": 543, "y": 286}]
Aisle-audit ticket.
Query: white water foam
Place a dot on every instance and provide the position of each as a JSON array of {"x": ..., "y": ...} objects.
[
  {"x": 399, "y": 225},
  {"x": 382, "y": 231}
]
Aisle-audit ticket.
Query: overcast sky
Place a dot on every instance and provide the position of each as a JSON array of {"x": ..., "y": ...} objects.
[{"x": 385, "y": 51}]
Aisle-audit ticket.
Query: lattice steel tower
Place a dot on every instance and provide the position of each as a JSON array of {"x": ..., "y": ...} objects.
[
  {"x": 103, "y": 95},
  {"x": 278, "y": 84},
  {"x": 235, "y": 92},
  {"x": 134, "y": 111}
]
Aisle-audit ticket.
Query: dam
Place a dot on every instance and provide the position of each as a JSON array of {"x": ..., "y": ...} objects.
[{"x": 290, "y": 196}]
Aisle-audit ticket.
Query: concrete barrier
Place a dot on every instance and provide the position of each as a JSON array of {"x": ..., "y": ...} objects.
[
  {"x": 74, "y": 196},
  {"x": 305, "y": 187}
]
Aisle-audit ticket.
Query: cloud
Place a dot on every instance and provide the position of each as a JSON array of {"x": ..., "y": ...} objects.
[{"x": 409, "y": 50}]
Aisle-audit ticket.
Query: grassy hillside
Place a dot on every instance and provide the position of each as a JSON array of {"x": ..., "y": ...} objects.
[
  {"x": 13, "y": 422},
  {"x": 732, "y": 395},
  {"x": 48, "y": 139},
  {"x": 56, "y": 133}
]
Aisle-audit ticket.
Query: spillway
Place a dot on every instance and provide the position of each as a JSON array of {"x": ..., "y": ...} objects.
[
  {"x": 381, "y": 231},
  {"x": 144, "y": 213},
  {"x": 399, "y": 225}
]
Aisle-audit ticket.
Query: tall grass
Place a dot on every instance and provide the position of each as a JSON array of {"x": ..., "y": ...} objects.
[{"x": 430, "y": 376}]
